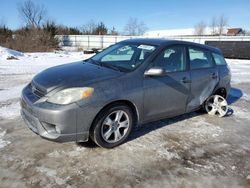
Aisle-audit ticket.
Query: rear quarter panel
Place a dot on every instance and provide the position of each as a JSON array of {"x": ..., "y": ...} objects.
[{"x": 224, "y": 77}]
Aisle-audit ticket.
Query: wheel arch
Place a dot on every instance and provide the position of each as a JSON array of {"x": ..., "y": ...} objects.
[
  {"x": 221, "y": 91},
  {"x": 117, "y": 102}
]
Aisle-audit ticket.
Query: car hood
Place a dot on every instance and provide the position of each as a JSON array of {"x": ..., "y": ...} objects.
[{"x": 72, "y": 75}]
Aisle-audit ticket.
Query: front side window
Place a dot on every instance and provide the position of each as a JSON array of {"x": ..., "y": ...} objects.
[
  {"x": 125, "y": 57},
  {"x": 172, "y": 59},
  {"x": 219, "y": 59},
  {"x": 199, "y": 58}
]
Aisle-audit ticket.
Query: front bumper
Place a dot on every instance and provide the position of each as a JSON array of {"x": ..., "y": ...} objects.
[{"x": 60, "y": 123}]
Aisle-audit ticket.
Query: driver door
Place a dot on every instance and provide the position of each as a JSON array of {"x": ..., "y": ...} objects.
[{"x": 166, "y": 95}]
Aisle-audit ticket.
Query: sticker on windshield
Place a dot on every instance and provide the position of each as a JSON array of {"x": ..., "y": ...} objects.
[{"x": 146, "y": 47}]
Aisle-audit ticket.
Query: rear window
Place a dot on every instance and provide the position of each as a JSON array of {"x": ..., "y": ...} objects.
[
  {"x": 200, "y": 58},
  {"x": 219, "y": 59}
]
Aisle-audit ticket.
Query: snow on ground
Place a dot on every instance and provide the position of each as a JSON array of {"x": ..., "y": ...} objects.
[
  {"x": 240, "y": 70},
  {"x": 6, "y": 53},
  {"x": 3, "y": 142},
  {"x": 33, "y": 63},
  {"x": 10, "y": 92},
  {"x": 51, "y": 173}
]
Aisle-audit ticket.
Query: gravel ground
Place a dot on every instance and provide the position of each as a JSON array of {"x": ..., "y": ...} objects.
[{"x": 192, "y": 150}]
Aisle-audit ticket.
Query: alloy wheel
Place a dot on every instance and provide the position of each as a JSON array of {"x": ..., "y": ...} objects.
[
  {"x": 115, "y": 126},
  {"x": 216, "y": 105}
]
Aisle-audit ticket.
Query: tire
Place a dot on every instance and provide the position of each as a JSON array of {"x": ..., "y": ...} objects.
[{"x": 108, "y": 130}]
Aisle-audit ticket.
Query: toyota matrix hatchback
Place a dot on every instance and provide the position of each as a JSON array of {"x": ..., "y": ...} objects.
[{"x": 132, "y": 82}]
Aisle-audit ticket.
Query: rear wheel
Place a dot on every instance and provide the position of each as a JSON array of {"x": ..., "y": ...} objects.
[
  {"x": 216, "y": 105},
  {"x": 112, "y": 126}
]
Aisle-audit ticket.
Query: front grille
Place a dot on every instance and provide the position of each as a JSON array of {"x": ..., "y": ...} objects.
[{"x": 37, "y": 91}]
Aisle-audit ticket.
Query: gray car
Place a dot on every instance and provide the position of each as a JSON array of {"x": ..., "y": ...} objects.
[{"x": 132, "y": 82}]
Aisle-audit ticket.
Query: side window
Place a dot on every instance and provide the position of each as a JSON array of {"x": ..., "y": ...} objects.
[
  {"x": 172, "y": 59},
  {"x": 219, "y": 59},
  {"x": 124, "y": 53},
  {"x": 200, "y": 58}
]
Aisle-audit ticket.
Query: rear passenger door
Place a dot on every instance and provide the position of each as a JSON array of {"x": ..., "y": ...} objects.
[{"x": 204, "y": 76}]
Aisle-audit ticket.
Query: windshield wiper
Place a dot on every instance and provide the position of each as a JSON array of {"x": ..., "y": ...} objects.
[
  {"x": 102, "y": 64},
  {"x": 94, "y": 62},
  {"x": 110, "y": 66}
]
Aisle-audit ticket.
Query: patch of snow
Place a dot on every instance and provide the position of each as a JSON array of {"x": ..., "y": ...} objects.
[
  {"x": 51, "y": 173},
  {"x": 240, "y": 112},
  {"x": 3, "y": 142},
  {"x": 6, "y": 53},
  {"x": 202, "y": 128},
  {"x": 248, "y": 177},
  {"x": 233, "y": 168},
  {"x": 11, "y": 93},
  {"x": 246, "y": 97},
  {"x": 10, "y": 111},
  {"x": 196, "y": 171},
  {"x": 78, "y": 151},
  {"x": 164, "y": 153},
  {"x": 9, "y": 107},
  {"x": 240, "y": 70}
]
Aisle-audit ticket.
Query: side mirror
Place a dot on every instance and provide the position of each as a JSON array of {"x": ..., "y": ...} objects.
[{"x": 154, "y": 71}]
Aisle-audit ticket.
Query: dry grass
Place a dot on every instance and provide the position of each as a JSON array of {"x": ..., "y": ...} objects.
[{"x": 31, "y": 40}]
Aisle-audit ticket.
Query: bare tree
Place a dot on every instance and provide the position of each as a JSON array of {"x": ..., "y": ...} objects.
[
  {"x": 101, "y": 29},
  {"x": 135, "y": 27},
  {"x": 32, "y": 14},
  {"x": 222, "y": 23},
  {"x": 247, "y": 32},
  {"x": 213, "y": 26},
  {"x": 89, "y": 28},
  {"x": 200, "y": 28},
  {"x": 113, "y": 31},
  {"x": 5, "y": 33}
]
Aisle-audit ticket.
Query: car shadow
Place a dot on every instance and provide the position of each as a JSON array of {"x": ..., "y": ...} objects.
[
  {"x": 88, "y": 144},
  {"x": 234, "y": 95}
]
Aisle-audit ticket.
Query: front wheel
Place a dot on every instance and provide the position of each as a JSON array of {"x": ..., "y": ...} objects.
[{"x": 112, "y": 126}]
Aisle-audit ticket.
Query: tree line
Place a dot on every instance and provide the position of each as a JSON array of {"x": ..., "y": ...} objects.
[
  {"x": 38, "y": 32},
  {"x": 217, "y": 27}
]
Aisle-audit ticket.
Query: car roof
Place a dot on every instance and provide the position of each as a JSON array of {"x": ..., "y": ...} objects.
[{"x": 165, "y": 42}]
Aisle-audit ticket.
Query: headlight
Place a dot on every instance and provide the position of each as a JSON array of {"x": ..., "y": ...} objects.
[{"x": 71, "y": 95}]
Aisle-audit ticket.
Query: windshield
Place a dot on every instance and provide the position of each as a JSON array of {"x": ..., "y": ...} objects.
[{"x": 123, "y": 57}]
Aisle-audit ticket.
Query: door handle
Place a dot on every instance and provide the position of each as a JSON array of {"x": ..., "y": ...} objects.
[
  {"x": 214, "y": 76},
  {"x": 185, "y": 80}
]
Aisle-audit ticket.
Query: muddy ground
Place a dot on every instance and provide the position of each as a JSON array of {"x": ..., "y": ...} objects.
[{"x": 193, "y": 150}]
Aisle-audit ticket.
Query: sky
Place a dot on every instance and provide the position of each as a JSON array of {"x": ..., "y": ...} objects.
[{"x": 156, "y": 14}]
